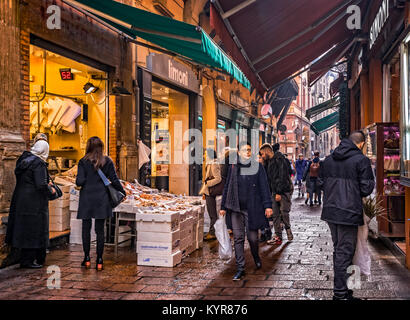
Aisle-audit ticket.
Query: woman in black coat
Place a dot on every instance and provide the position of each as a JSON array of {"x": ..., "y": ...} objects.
[
  {"x": 247, "y": 196},
  {"x": 27, "y": 226},
  {"x": 94, "y": 199}
]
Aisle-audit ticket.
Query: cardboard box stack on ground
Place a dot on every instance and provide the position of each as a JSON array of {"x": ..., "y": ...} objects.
[
  {"x": 76, "y": 224},
  {"x": 59, "y": 215},
  {"x": 158, "y": 239}
]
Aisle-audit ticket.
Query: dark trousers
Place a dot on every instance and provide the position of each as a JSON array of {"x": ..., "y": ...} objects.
[
  {"x": 239, "y": 226},
  {"x": 213, "y": 215},
  {"x": 28, "y": 255},
  {"x": 344, "y": 242},
  {"x": 281, "y": 211},
  {"x": 86, "y": 233},
  {"x": 314, "y": 189}
]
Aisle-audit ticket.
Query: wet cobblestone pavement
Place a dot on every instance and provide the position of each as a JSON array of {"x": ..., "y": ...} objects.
[{"x": 297, "y": 270}]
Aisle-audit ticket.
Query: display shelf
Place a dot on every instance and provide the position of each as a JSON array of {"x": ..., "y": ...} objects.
[{"x": 63, "y": 150}]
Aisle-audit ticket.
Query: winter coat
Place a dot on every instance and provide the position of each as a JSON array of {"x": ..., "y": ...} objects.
[
  {"x": 311, "y": 187},
  {"x": 345, "y": 177},
  {"x": 28, "y": 219},
  {"x": 212, "y": 176},
  {"x": 257, "y": 194},
  {"x": 279, "y": 174},
  {"x": 94, "y": 199},
  {"x": 300, "y": 168}
]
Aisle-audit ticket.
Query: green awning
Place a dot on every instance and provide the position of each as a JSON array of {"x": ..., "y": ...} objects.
[
  {"x": 179, "y": 37},
  {"x": 325, "y": 123},
  {"x": 314, "y": 111}
]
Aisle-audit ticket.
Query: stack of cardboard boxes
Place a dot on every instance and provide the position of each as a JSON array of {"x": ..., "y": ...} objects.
[
  {"x": 158, "y": 239},
  {"x": 59, "y": 214},
  {"x": 74, "y": 223}
]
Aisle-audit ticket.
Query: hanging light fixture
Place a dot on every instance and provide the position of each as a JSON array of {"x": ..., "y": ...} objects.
[{"x": 90, "y": 88}]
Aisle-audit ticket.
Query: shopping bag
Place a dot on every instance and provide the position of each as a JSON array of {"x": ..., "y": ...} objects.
[
  {"x": 362, "y": 255},
  {"x": 221, "y": 233}
]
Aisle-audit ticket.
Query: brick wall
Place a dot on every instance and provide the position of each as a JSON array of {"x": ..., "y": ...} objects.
[{"x": 25, "y": 85}]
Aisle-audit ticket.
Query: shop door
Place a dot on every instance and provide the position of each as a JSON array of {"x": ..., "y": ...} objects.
[{"x": 170, "y": 120}]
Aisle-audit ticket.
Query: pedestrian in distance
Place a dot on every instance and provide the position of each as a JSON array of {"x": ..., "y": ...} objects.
[
  {"x": 300, "y": 165},
  {"x": 28, "y": 221},
  {"x": 246, "y": 195},
  {"x": 311, "y": 177},
  {"x": 212, "y": 179},
  {"x": 94, "y": 200},
  {"x": 346, "y": 177},
  {"x": 279, "y": 175}
]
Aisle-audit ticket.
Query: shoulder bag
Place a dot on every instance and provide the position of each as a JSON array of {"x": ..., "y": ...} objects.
[
  {"x": 116, "y": 197},
  {"x": 57, "y": 194}
]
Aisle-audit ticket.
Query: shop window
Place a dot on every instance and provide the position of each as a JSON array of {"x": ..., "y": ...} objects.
[
  {"x": 68, "y": 102},
  {"x": 170, "y": 120}
]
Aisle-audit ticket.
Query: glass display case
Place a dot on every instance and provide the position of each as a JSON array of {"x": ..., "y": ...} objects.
[{"x": 383, "y": 150}]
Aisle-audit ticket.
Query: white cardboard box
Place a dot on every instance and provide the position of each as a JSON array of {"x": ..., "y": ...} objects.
[
  {"x": 159, "y": 261},
  {"x": 157, "y": 248},
  {"x": 52, "y": 211},
  {"x": 158, "y": 236},
  {"x": 73, "y": 205},
  {"x": 187, "y": 224},
  {"x": 157, "y": 222},
  {"x": 59, "y": 203}
]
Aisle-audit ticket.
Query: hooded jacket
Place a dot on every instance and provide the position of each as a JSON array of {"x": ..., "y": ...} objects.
[
  {"x": 345, "y": 177},
  {"x": 27, "y": 225},
  {"x": 279, "y": 171}
]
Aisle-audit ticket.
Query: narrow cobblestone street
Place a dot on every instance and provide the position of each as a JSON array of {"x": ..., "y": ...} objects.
[{"x": 300, "y": 270}]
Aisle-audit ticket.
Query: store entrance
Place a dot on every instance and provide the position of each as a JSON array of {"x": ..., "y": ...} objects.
[
  {"x": 68, "y": 102},
  {"x": 170, "y": 120}
]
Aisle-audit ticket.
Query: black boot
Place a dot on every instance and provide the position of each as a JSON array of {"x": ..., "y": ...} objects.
[
  {"x": 258, "y": 263},
  {"x": 32, "y": 265},
  {"x": 99, "y": 266},
  {"x": 238, "y": 275},
  {"x": 86, "y": 262}
]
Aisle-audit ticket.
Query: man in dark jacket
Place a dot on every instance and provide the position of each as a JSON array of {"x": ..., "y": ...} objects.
[
  {"x": 279, "y": 171},
  {"x": 345, "y": 177}
]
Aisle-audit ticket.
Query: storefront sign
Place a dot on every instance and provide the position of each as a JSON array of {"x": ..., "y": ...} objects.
[
  {"x": 239, "y": 102},
  {"x": 379, "y": 22},
  {"x": 173, "y": 71}
]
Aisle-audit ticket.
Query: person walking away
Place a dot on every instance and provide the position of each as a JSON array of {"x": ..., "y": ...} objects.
[
  {"x": 311, "y": 175},
  {"x": 246, "y": 196},
  {"x": 212, "y": 179},
  {"x": 94, "y": 200},
  {"x": 28, "y": 224},
  {"x": 279, "y": 172},
  {"x": 300, "y": 170},
  {"x": 345, "y": 177}
]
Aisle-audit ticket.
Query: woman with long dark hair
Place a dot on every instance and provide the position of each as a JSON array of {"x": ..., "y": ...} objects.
[{"x": 94, "y": 198}]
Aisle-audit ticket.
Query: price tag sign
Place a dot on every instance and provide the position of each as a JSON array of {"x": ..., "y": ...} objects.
[{"x": 66, "y": 74}]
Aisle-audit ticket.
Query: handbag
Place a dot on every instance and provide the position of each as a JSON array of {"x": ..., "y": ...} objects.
[
  {"x": 218, "y": 189},
  {"x": 57, "y": 194},
  {"x": 116, "y": 197}
]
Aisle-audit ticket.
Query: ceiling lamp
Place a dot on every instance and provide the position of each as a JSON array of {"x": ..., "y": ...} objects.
[{"x": 90, "y": 88}]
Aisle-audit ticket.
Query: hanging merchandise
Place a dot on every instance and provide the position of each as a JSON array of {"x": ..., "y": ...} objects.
[
  {"x": 72, "y": 113},
  {"x": 143, "y": 154}
]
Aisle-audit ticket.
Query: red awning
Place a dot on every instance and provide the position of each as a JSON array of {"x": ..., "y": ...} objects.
[{"x": 275, "y": 39}]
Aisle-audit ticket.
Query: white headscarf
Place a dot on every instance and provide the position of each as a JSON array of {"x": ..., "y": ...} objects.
[{"x": 41, "y": 149}]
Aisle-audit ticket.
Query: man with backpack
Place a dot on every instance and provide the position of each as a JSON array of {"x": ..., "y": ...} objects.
[{"x": 311, "y": 175}]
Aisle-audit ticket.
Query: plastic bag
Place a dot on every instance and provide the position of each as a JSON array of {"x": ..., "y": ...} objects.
[
  {"x": 221, "y": 233},
  {"x": 362, "y": 255}
]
